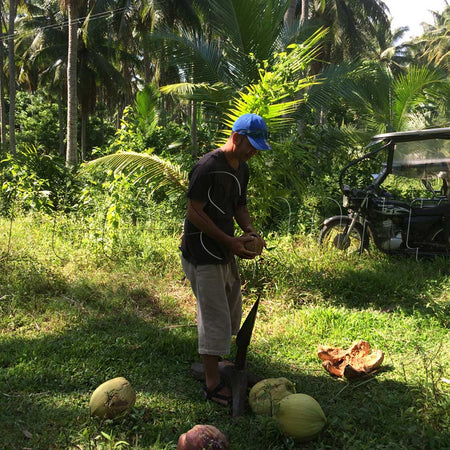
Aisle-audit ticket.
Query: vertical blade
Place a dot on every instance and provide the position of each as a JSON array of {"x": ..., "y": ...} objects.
[
  {"x": 239, "y": 391},
  {"x": 239, "y": 378},
  {"x": 244, "y": 336}
]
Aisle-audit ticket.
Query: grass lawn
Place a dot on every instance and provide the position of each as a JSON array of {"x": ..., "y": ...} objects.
[{"x": 75, "y": 313}]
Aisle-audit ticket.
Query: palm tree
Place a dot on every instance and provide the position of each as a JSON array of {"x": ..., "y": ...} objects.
[
  {"x": 130, "y": 48},
  {"x": 131, "y": 29},
  {"x": 44, "y": 56},
  {"x": 384, "y": 102},
  {"x": 71, "y": 6},
  {"x": 12, "y": 75},
  {"x": 434, "y": 44},
  {"x": 304, "y": 11},
  {"x": 254, "y": 31},
  {"x": 2, "y": 82},
  {"x": 388, "y": 48},
  {"x": 291, "y": 13},
  {"x": 213, "y": 68},
  {"x": 352, "y": 25},
  {"x": 97, "y": 65},
  {"x": 42, "y": 47},
  {"x": 81, "y": 63}
]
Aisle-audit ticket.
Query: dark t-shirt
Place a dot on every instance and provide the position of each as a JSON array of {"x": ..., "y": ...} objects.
[{"x": 222, "y": 188}]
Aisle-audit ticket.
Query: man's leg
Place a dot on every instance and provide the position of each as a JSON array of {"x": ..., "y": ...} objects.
[
  {"x": 210, "y": 286},
  {"x": 212, "y": 375},
  {"x": 233, "y": 292}
]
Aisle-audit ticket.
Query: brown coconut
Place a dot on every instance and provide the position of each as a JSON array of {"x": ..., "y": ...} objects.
[
  {"x": 255, "y": 245},
  {"x": 203, "y": 437}
]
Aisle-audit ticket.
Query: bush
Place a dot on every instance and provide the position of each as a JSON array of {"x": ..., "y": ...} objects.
[
  {"x": 37, "y": 119},
  {"x": 33, "y": 181}
]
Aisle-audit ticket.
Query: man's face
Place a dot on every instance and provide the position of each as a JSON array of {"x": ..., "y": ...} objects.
[{"x": 243, "y": 149}]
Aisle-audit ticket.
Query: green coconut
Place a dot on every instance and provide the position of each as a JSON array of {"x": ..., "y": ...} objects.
[
  {"x": 300, "y": 416},
  {"x": 265, "y": 395},
  {"x": 112, "y": 399}
]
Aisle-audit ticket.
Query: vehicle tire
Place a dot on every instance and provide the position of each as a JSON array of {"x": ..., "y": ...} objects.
[{"x": 332, "y": 236}]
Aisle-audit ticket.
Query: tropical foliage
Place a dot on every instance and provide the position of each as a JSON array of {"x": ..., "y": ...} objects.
[{"x": 170, "y": 77}]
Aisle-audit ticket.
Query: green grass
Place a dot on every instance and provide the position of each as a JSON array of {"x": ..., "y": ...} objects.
[{"x": 75, "y": 312}]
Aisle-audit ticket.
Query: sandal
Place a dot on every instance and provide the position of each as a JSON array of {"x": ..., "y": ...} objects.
[{"x": 214, "y": 395}]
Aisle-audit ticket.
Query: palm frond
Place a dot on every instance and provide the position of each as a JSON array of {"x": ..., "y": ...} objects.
[
  {"x": 279, "y": 91},
  {"x": 149, "y": 168},
  {"x": 146, "y": 106},
  {"x": 194, "y": 54},
  {"x": 251, "y": 26},
  {"x": 413, "y": 90},
  {"x": 204, "y": 92}
]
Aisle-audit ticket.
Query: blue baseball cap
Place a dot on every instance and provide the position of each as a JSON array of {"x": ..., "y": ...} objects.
[{"x": 254, "y": 127}]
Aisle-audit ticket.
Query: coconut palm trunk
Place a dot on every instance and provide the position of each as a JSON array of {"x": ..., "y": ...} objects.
[
  {"x": 84, "y": 123},
  {"x": 2, "y": 84},
  {"x": 60, "y": 97},
  {"x": 71, "y": 143},
  {"x": 304, "y": 12},
  {"x": 194, "y": 141},
  {"x": 12, "y": 77},
  {"x": 289, "y": 16}
]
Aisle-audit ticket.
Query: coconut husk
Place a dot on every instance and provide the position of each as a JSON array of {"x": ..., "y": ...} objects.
[
  {"x": 256, "y": 245},
  {"x": 354, "y": 362}
]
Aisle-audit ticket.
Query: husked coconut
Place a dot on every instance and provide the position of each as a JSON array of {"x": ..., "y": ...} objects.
[
  {"x": 255, "y": 245},
  {"x": 112, "y": 399},
  {"x": 203, "y": 437}
]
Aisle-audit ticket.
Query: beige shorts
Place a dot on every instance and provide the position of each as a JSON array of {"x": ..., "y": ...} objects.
[{"x": 217, "y": 289}]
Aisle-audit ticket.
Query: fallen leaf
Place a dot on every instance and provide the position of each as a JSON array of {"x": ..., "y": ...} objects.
[{"x": 27, "y": 434}]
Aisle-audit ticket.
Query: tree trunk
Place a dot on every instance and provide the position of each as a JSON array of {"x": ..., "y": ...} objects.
[
  {"x": 62, "y": 149},
  {"x": 194, "y": 142},
  {"x": 2, "y": 85},
  {"x": 71, "y": 149},
  {"x": 305, "y": 12},
  {"x": 12, "y": 77},
  {"x": 147, "y": 61},
  {"x": 119, "y": 115},
  {"x": 289, "y": 15},
  {"x": 84, "y": 122}
]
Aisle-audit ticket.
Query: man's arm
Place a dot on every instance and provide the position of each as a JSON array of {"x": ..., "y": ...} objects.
[
  {"x": 197, "y": 216},
  {"x": 242, "y": 217}
]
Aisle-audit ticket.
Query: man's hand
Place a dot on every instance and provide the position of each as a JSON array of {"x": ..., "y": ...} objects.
[
  {"x": 257, "y": 244},
  {"x": 237, "y": 246}
]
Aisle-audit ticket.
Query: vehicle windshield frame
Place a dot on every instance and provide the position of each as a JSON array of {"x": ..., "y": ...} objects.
[{"x": 430, "y": 168}]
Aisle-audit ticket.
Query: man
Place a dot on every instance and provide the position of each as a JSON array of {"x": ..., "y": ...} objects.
[{"x": 217, "y": 196}]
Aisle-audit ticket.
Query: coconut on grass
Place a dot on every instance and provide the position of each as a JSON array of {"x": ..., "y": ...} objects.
[
  {"x": 300, "y": 416},
  {"x": 265, "y": 395},
  {"x": 112, "y": 399},
  {"x": 203, "y": 437}
]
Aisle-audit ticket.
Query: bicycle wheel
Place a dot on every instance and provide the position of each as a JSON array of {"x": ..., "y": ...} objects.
[{"x": 334, "y": 235}]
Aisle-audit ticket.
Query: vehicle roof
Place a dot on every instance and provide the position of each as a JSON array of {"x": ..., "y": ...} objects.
[{"x": 414, "y": 135}]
